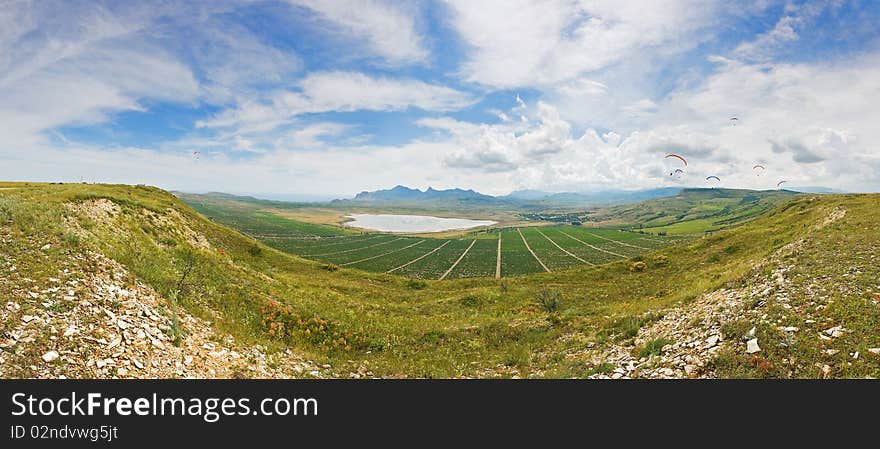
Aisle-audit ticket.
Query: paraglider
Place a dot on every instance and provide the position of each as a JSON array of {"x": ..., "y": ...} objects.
[
  {"x": 780, "y": 183},
  {"x": 760, "y": 169},
  {"x": 677, "y": 173},
  {"x": 677, "y": 156},
  {"x": 713, "y": 177},
  {"x": 733, "y": 121},
  {"x": 196, "y": 154}
]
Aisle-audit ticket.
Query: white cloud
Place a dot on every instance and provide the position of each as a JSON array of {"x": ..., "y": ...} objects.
[
  {"x": 525, "y": 43},
  {"x": 389, "y": 27},
  {"x": 341, "y": 91}
]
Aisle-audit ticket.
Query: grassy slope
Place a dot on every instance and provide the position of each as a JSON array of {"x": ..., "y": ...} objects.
[
  {"x": 695, "y": 210},
  {"x": 400, "y": 327}
]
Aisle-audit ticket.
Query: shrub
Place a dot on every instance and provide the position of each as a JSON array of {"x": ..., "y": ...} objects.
[
  {"x": 331, "y": 267},
  {"x": 469, "y": 301},
  {"x": 284, "y": 324},
  {"x": 255, "y": 250},
  {"x": 416, "y": 284},
  {"x": 548, "y": 300},
  {"x": 653, "y": 347},
  {"x": 661, "y": 260},
  {"x": 637, "y": 266}
]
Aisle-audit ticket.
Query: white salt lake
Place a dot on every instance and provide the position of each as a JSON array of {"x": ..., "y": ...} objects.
[{"x": 412, "y": 223}]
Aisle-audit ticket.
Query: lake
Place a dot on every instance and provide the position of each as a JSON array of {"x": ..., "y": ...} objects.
[{"x": 412, "y": 223}]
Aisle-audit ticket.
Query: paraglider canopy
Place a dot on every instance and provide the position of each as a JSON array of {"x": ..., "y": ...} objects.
[
  {"x": 196, "y": 154},
  {"x": 759, "y": 169},
  {"x": 677, "y": 173},
  {"x": 713, "y": 177},
  {"x": 678, "y": 156},
  {"x": 780, "y": 183}
]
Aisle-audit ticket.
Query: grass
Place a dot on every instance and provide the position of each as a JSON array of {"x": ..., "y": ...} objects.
[{"x": 404, "y": 327}]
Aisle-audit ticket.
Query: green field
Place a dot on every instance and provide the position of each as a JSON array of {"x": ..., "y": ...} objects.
[{"x": 558, "y": 247}]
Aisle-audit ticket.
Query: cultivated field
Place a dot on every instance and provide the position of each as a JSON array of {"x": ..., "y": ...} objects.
[{"x": 523, "y": 250}]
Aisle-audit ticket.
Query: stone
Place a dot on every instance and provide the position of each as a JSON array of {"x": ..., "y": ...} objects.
[
  {"x": 831, "y": 351},
  {"x": 122, "y": 372},
  {"x": 712, "y": 341},
  {"x": 752, "y": 346},
  {"x": 46, "y": 246},
  {"x": 137, "y": 364},
  {"x": 751, "y": 333},
  {"x": 69, "y": 331},
  {"x": 875, "y": 351},
  {"x": 28, "y": 318},
  {"x": 187, "y": 360},
  {"x": 855, "y": 355},
  {"x": 791, "y": 329},
  {"x": 50, "y": 356},
  {"x": 116, "y": 341}
]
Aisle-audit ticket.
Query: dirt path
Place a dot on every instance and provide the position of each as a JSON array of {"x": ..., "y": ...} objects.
[
  {"x": 530, "y": 250},
  {"x": 457, "y": 261},
  {"x": 565, "y": 250},
  {"x": 591, "y": 246},
  {"x": 420, "y": 257},
  {"x": 498, "y": 259},
  {"x": 383, "y": 254}
]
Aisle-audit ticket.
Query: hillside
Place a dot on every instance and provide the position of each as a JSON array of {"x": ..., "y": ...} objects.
[
  {"x": 114, "y": 260},
  {"x": 693, "y": 210}
]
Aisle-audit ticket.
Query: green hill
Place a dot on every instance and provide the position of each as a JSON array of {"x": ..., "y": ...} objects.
[
  {"x": 694, "y": 210},
  {"x": 803, "y": 275}
]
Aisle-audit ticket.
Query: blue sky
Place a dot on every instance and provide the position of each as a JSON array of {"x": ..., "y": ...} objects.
[{"x": 320, "y": 99}]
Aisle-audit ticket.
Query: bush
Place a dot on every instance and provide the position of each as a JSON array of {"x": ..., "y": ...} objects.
[
  {"x": 416, "y": 284},
  {"x": 653, "y": 347},
  {"x": 548, "y": 300},
  {"x": 661, "y": 260},
  {"x": 331, "y": 267},
  {"x": 469, "y": 301},
  {"x": 637, "y": 266},
  {"x": 255, "y": 251},
  {"x": 284, "y": 324}
]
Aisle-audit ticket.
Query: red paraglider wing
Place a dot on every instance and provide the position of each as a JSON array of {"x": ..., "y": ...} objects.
[{"x": 679, "y": 157}]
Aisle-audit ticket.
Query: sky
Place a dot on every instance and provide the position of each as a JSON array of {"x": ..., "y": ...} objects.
[{"x": 309, "y": 99}]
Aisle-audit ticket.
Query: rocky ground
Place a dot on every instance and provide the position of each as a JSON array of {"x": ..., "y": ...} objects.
[
  {"x": 103, "y": 323},
  {"x": 768, "y": 303}
]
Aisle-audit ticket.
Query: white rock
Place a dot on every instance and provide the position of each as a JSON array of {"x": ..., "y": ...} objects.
[
  {"x": 874, "y": 351},
  {"x": 752, "y": 332},
  {"x": 28, "y": 318},
  {"x": 712, "y": 341},
  {"x": 187, "y": 360},
  {"x": 831, "y": 351},
  {"x": 50, "y": 356},
  {"x": 855, "y": 355},
  {"x": 616, "y": 376},
  {"x": 46, "y": 246},
  {"x": 122, "y": 371},
  {"x": 69, "y": 331},
  {"x": 137, "y": 363},
  {"x": 752, "y": 346},
  {"x": 791, "y": 329}
]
